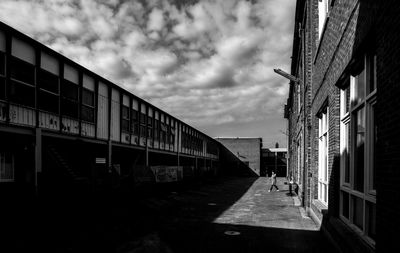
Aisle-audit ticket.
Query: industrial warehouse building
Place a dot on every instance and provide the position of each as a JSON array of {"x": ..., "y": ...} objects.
[
  {"x": 248, "y": 150},
  {"x": 343, "y": 120},
  {"x": 66, "y": 129}
]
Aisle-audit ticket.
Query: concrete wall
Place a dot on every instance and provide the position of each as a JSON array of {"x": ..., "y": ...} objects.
[{"x": 247, "y": 150}]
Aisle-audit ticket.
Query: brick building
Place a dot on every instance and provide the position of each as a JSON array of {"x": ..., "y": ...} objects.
[
  {"x": 342, "y": 119},
  {"x": 248, "y": 150}
]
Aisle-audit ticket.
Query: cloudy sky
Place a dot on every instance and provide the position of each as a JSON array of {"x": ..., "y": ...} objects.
[{"x": 208, "y": 63}]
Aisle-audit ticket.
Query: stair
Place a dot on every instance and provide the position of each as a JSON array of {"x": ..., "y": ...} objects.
[{"x": 63, "y": 164}]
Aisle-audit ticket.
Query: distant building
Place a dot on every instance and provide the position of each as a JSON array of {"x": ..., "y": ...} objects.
[
  {"x": 248, "y": 150},
  {"x": 274, "y": 159}
]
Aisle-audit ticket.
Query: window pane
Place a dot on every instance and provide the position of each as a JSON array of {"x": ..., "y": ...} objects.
[
  {"x": 345, "y": 204},
  {"x": 358, "y": 212},
  {"x": 125, "y": 112},
  {"x": 372, "y": 172},
  {"x": 360, "y": 86},
  {"x": 48, "y": 81},
  {"x": 134, "y": 115},
  {"x": 87, "y": 97},
  {"x": 6, "y": 167},
  {"x": 347, "y": 99},
  {"x": 2, "y": 63},
  {"x": 87, "y": 113},
  {"x": 22, "y": 71},
  {"x": 371, "y": 219},
  {"x": 48, "y": 101},
  {"x": 142, "y": 131},
  {"x": 69, "y": 108},
  {"x": 125, "y": 125},
  {"x": 359, "y": 150},
  {"x": 326, "y": 158},
  {"x": 2, "y": 88},
  {"x": 22, "y": 94},
  {"x": 347, "y": 153},
  {"x": 142, "y": 118},
  {"x": 69, "y": 90},
  {"x": 135, "y": 128}
]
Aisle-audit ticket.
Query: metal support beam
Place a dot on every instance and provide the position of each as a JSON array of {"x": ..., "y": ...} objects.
[
  {"x": 38, "y": 156},
  {"x": 109, "y": 155}
]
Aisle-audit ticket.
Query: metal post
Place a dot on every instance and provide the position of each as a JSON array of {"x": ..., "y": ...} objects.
[{"x": 38, "y": 156}]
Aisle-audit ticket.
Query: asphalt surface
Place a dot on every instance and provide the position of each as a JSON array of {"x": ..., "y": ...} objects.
[
  {"x": 235, "y": 215},
  {"x": 230, "y": 215}
]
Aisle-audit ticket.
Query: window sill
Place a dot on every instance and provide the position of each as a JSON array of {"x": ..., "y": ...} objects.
[{"x": 321, "y": 207}]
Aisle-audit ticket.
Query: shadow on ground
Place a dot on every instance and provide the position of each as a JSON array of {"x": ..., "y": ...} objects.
[{"x": 169, "y": 219}]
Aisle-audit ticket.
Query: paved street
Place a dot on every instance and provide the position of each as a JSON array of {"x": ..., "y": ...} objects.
[
  {"x": 233, "y": 215},
  {"x": 237, "y": 215}
]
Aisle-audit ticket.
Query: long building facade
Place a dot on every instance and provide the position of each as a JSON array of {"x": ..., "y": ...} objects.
[
  {"x": 342, "y": 120},
  {"x": 61, "y": 124}
]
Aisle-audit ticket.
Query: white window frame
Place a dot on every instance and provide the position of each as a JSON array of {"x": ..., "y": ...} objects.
[
  {"x": 323, "y": 157},
  {"x": 368, "y": 195}
]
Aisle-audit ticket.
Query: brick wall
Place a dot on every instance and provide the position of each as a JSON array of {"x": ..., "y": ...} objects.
[
  {"x": 352, "y": 25},
  {"x": 388, "y": 124}
]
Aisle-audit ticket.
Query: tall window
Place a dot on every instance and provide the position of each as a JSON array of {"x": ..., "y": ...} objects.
[
  {"x": 134, "y": 122},
  {"x": 358, "y": 140},
  {"x": 48, "y": 82},
  {"x": 22, "y": 87},
  {"x": 6, "y": 167},
  {"x": 2, "y": 66},
  {"x": 88, "y": 99},
  {"x": 156, "y": 128},
  {"x": 125, "y": 119},
  {"x": 172, "y": 141},
  {"x": 142, "y": 124},
  {"x": 88, "y": 108},
  {"x": 323, "y": 151},
  {"x": 149, "y": 127},
  {"x": 323, "y": 7},
  {"x": 70, "y": 92}
]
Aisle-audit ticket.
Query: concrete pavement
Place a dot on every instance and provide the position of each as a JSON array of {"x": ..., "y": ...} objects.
[
  {"x": 235, "y": 215},
  {"x": 226, "y": 215}
]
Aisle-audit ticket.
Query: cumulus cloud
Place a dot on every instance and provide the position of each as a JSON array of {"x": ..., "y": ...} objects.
[
  {"x": 206, "y": 62},
  {"x": 156, "y": 20}
]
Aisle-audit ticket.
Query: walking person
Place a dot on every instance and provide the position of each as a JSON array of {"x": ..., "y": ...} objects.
[{"x": 273, "y": 182}]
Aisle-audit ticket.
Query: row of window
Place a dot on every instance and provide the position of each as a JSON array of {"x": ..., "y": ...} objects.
[
  {"x": 192, "y": 142},
  {"x": 154, "y": 128},
  {"x": 22, "y": 91},
  {"x": 42, "y": 87},
  {"x": 357, "y": 148}
]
